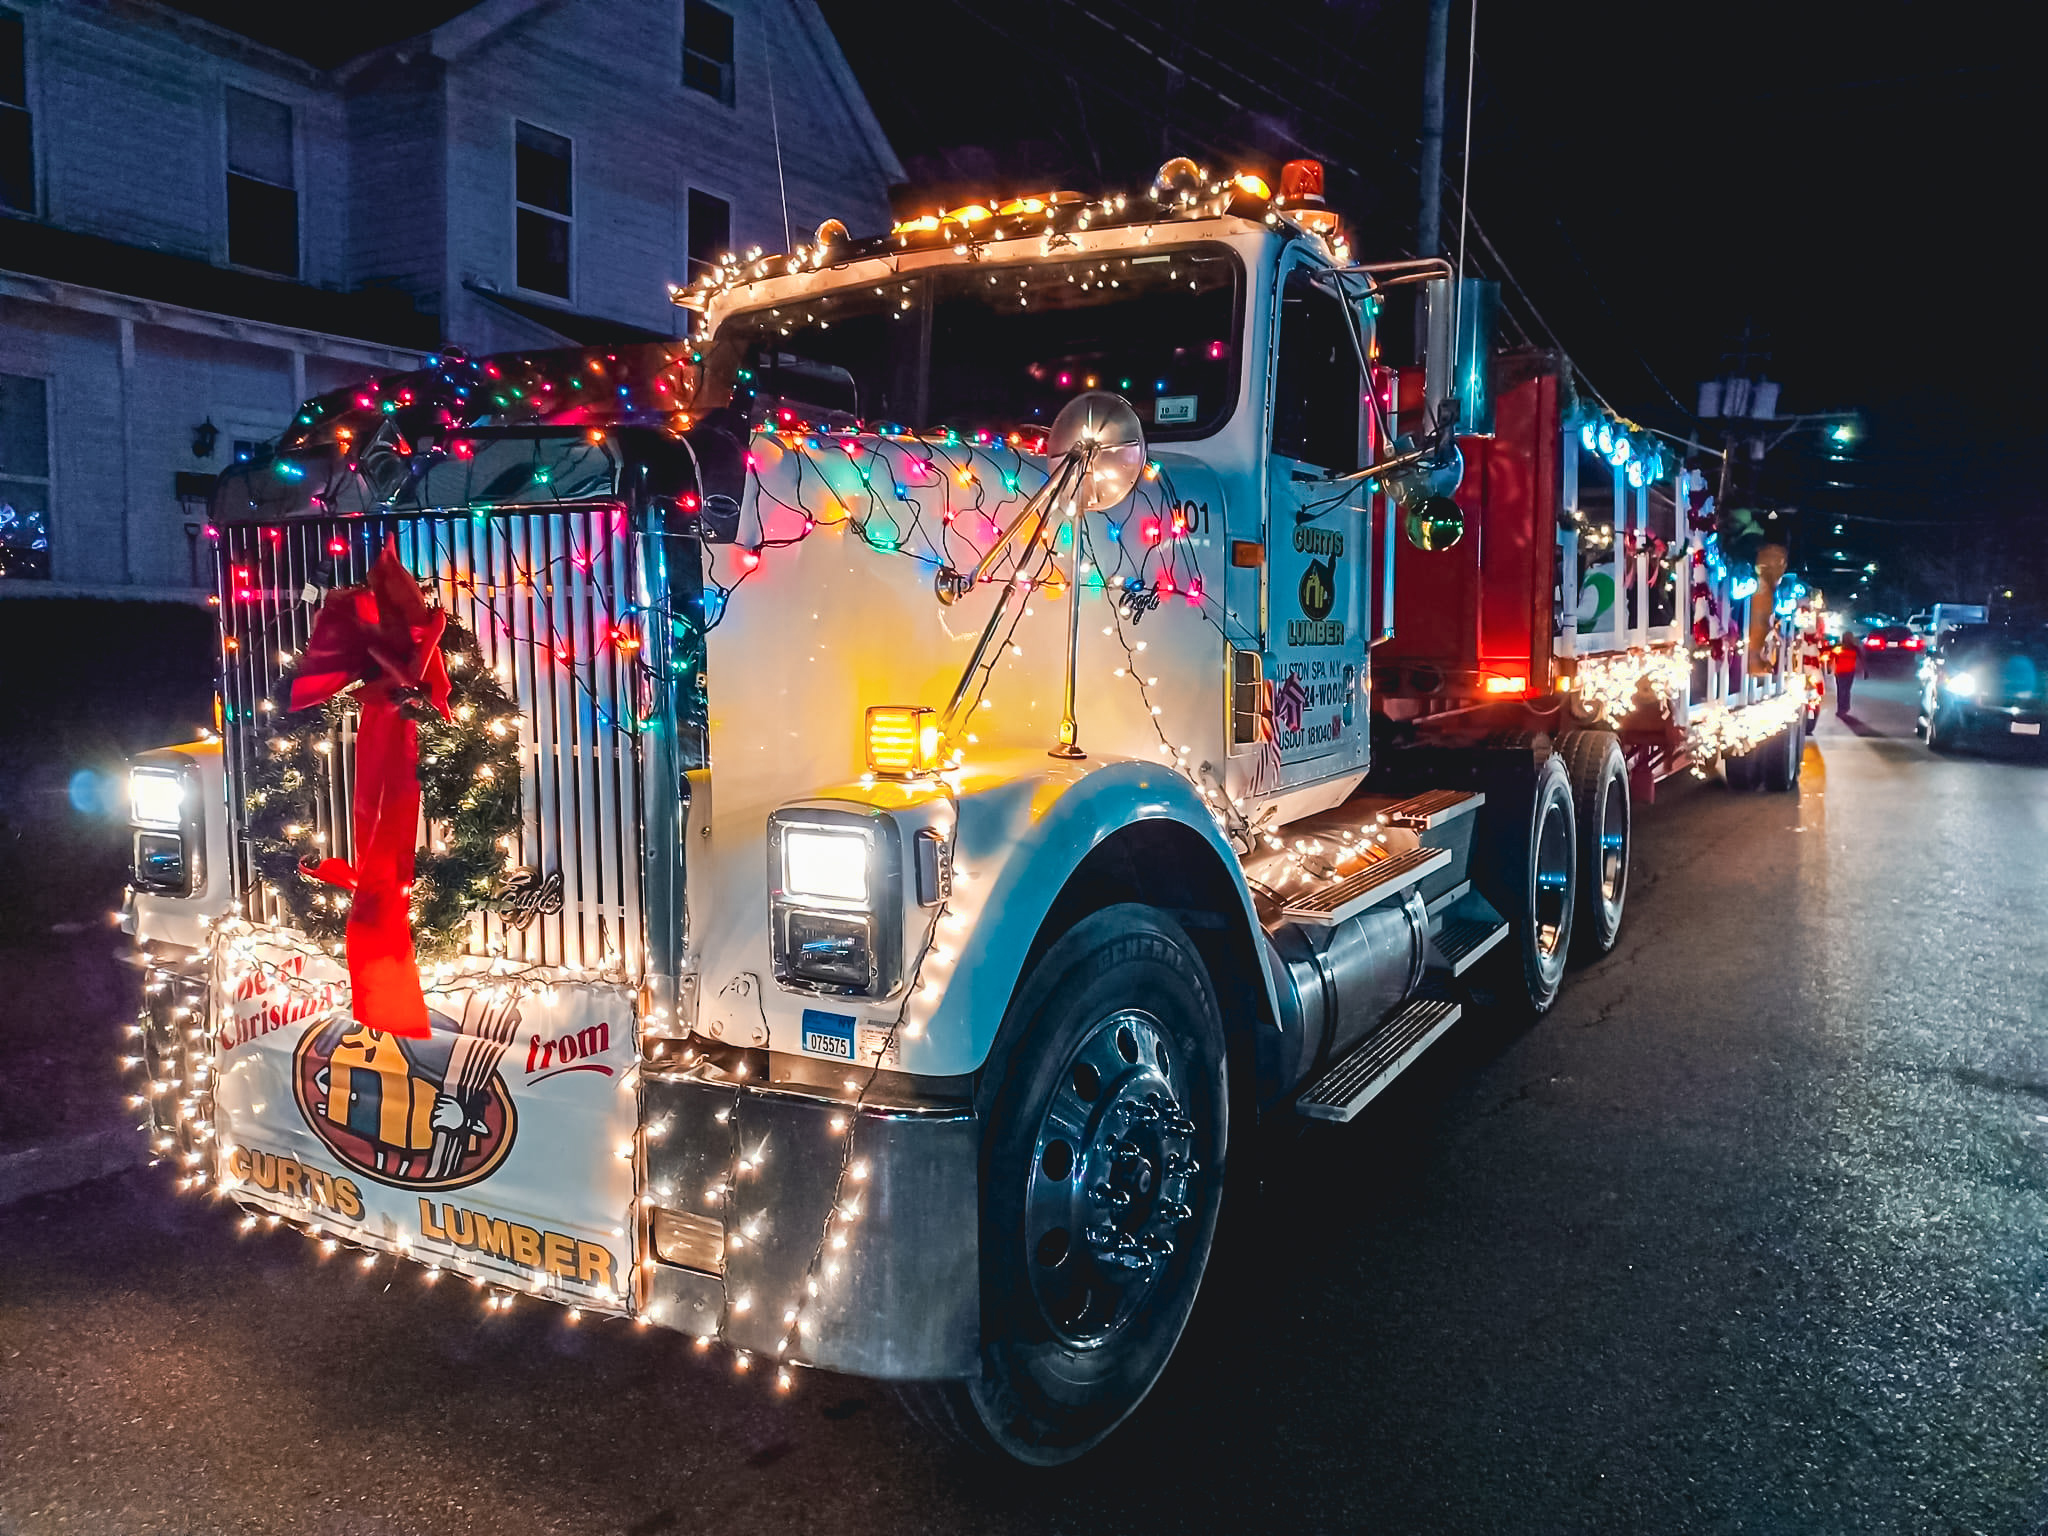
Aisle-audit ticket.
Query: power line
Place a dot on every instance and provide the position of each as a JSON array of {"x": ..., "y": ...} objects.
[{"x": 1314, "y": 151}]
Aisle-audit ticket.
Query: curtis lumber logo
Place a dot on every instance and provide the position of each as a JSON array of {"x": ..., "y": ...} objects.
[{"x": 414, "y": 1114}]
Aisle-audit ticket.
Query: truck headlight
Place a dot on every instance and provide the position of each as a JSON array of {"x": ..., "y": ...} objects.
[
  {"x": 1963, "y": 685},
  {"x": 835, "y": 897},
  {"x": 163, "y": 806},
  {"x": 828, "y": 865},
  {"x": 156, "y": 798}
]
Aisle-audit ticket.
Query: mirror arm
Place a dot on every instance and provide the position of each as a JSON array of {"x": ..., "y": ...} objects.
[
  {"x": 1398, "y": 461},
  {"x": 1057, "y": 484},
  {"x": 1397, "y": 274},
  {"x": 1041, "y": 505}
]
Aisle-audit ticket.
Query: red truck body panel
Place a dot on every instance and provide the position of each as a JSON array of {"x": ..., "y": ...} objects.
[{"x": 1483, "y": 609}]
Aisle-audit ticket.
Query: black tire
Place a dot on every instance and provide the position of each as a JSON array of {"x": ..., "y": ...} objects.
[
  {"x": 1527, "y": 867},
  {"x": 1604, "y": 816},
  {"x": 1740, "y": 771},
  {"x": 1779, "y": 766},
  {"x": 1111, "y": 1061}
]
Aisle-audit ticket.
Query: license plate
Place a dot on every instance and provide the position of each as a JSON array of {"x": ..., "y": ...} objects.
[{"x": 2026, "y": 727}]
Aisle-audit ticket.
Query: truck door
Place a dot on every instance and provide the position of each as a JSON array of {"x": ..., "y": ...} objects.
[{"x": 1317, "y": 537}]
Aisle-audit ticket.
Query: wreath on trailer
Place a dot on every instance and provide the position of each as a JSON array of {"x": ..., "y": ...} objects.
[{"x": 469, "y": 793}]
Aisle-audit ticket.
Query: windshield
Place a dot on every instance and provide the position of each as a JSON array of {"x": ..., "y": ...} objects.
[{"x": 995, "y": 348}]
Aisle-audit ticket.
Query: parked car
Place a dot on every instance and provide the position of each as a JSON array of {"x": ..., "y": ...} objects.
[
  {"x": 1989, "y": 683},
  {"x": 1892, "y": 642}
]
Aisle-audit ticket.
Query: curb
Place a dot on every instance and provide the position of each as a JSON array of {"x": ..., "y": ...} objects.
[{"x": 63, "y": 1164}]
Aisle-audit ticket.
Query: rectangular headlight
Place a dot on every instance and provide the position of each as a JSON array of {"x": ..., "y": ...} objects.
[
  {"x": 825, "y": 866},
  {"x": 156, "y": 798},
  {"x": 160, "y": 863},
  {"x": 828, "y": 948},
  {"x": 836, "y": 895}
]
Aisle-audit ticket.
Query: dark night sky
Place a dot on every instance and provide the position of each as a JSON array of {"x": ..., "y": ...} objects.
[{"x": 1850, "y": 182}]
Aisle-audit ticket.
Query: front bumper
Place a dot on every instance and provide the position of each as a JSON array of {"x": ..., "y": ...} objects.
[
  {"x": 759, "y": 1167},
  {"x": 2019, "y": 723}
]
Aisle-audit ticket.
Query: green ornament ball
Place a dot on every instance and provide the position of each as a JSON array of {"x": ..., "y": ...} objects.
[{"x": 1434, "y": 523}]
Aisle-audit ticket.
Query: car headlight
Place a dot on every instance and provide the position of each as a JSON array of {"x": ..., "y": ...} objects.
[
  {"x": 1963, "y": 685},
  {"x": 156, "y": 798}
]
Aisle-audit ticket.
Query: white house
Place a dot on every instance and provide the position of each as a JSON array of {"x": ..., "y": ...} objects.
[{"x": 202, "y": 224}]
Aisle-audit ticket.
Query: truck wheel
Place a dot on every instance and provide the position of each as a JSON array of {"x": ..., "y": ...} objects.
[
  {"x": 1530, "y": 874},
  {"x": 1779, "y": 761},
  {"x": 1107, "y": 1111},
  {"x": 1739, "y": 770},
  {"x": 1600, "y": 806}
]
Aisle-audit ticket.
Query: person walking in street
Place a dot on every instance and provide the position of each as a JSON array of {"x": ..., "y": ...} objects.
[{"x": 1845, "y": 676}]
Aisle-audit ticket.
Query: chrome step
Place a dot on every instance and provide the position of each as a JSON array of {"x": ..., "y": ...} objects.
[
  {"x": 1328, "y": 905},
  {"x": 1451, "y": 897},
  {"x": 1463, "y": 942},
  {"x": 1378, "y": 1059},
  {"x": 1432, "y": 808}
]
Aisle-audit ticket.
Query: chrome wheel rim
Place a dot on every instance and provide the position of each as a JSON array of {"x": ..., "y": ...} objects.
[
  {"x": 1613, "y": 848},
  {"x": 1553, "y": 879},
  {"x": 1112, "y": 1180}
]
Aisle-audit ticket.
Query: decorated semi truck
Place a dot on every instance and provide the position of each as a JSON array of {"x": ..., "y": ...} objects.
[{"x": 831, "y": 834}]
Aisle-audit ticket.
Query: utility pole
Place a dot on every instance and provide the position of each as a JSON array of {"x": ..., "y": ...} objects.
[{"x": 1429, "y": 221}]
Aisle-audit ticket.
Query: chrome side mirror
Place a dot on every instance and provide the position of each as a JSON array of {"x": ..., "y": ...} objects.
[{"x": 1111, "y": 441}]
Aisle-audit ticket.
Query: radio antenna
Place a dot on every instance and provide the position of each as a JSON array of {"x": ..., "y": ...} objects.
[
  {"x": 1464, "y": 199},
  {"x": 775, "y": 127}
]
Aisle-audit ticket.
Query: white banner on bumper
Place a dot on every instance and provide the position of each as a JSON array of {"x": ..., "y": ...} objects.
[{"x": 499, "y": 1147}]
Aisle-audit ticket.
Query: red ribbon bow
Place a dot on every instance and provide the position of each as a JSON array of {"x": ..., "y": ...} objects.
[{"x": 384, "y": 636}]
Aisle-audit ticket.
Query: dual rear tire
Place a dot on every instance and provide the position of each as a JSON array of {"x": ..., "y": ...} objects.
[
  {"x": 1772, "y": 765},
  {"x": 1601, "y": 807},
  {"x": 1526, "y": 864}
]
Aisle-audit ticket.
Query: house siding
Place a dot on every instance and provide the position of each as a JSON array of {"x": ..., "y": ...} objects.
[{"x": 403, "y": 167}]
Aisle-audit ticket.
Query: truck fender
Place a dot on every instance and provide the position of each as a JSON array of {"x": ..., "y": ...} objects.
[{"x": 1024, "y": 853}]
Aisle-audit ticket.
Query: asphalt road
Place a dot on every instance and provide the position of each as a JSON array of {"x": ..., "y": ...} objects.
[{"x": 1748, "y": 1235}]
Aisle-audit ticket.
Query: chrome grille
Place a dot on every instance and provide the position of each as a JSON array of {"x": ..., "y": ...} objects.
[{"x": 559, "y": 600}]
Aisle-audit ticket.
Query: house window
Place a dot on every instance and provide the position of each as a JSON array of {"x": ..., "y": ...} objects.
[
  {"x": 17, "y": 145},
  {"x": 24, "y": 478},
  {"x": 707, "y": 50},
  {"x": 541, "y": 188},
  {"x": 709, "y": 232},
  {"x": 263, "y": 201}
]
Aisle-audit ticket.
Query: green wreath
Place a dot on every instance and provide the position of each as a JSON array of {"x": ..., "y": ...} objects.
[{"x": 469, "y": 791}]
